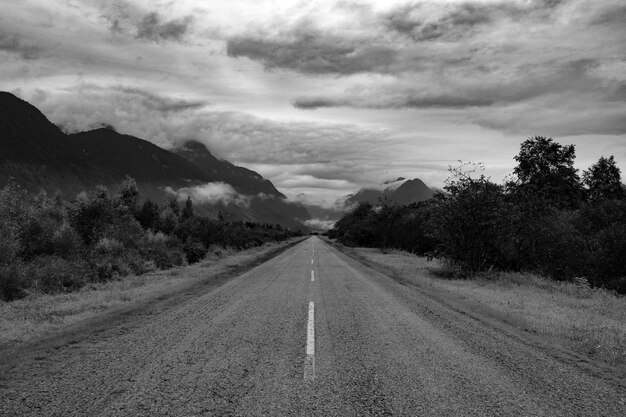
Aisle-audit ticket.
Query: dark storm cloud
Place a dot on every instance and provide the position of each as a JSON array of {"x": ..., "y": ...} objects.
[
  {"x": 615, "y": 15},
  {"x": 409, "y": 101},
  {"x": 410, "y": 21},
  {"x": 455, "y": 21},
  {"x": 314, "y": 53},
  {"x": 162, "y": 104},
  {"x": 15, "y": 44},
  {"x": 312, "y": 103},
  {"x": 526, "y": 84},
  {"x": 154, "y": 28}
]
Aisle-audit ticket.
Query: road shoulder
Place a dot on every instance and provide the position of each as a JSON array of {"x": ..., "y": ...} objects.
[
  {"x": 516, "y": 324},
  {"x": 123, "y": 303}
]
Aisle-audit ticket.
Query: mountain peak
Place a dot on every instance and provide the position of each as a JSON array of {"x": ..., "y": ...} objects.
[
  {"x": 401, "y": 190},
  {"x": 392, "y": 181},
  {"x": 194, "y": 145}
]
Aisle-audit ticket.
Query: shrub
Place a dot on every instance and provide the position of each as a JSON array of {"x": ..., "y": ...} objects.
[
  {"x": 51, "y": 274},
  {"x": 11, "y": 285},
  {"x": 164, "y": 251},
  {"x": 194, "y": 250},
  {"x": 66, "y": 243}
]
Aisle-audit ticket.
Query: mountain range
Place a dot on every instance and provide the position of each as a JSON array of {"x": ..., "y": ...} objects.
[
  {"x": 39, "y": 156},
  {"x": 401, "y": 191}
]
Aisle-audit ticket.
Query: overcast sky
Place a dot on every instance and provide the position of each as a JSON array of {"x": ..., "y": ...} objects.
[{"x": 324, "y": 97}]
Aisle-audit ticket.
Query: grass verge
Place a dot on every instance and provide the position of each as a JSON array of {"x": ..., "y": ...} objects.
[
  {"x": 588, "y": 321},
  {"x": 40, "y": 315}
]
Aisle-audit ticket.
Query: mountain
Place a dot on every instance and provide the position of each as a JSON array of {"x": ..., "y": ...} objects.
[
  {"x": 243, "y": 180},
  {"x": 264, "y": 200},
  {"x": 39, "y": 156},
  {"x": 400, "y": 190}
]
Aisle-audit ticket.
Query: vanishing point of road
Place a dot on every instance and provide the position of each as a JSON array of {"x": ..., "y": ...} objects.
[{"x": 310, "y": 332}]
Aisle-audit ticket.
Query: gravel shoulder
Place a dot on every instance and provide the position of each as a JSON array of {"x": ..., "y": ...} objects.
[
  {"x": 65, "y": 316},
  {"x": 577, "y": 324}
]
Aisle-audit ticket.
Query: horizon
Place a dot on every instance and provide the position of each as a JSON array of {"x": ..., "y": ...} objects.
[{"x": 329, "y": 97}]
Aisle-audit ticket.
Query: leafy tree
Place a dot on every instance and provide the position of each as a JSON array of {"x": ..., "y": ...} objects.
[
  {"x": 388, "y": 214},
  {"x": 91, "y": 216},
  {"x": 148, "y": 215},
  {"x": 15, "y": 212},
  {"x": 174, "y": 207},
  {"x": 603, "y": 181},
  {"x": 468, "y": 222},
  {"x": 128, "y": 194},
  {"x": 546, "y": 171},
  {"x": 187, "y": 212},
  {"x": 358, "y": 226}
]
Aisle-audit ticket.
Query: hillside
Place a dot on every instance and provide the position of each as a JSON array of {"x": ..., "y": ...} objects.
[
  {"x": 243, "y": 180},
  {"x": 39, "y": 156}
]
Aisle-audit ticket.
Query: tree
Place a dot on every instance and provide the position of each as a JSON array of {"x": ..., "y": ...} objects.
[
  {"x": 174, "y": 207},
  {"x": 468, "y": 222},
  {"x": 546, "y": 171},
  {"x": 128, "y": 194},
  {"x": 187, "y": 212},
  {"x": 91, "y": 216},
  {"x": 603, "y": 181},
  {"x": 388, "y": 212},
  {"x": 148, "y": 215}
]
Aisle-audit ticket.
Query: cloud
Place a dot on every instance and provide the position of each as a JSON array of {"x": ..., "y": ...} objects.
[
  {"x": 312, "y": 52},
  {"x": 425, "y": 21},
  {"x": 211, "y": 193},
  {"x": 152, "y": 27},
  {"x": 15, "y": 44},
  {"x": 547, "y": 116},
  {"x": 132, "y": 110},
  {"x": 320, "y": 224},
  {"x": 159, "y": 103},
  {"x": 487, "y": 89},
  {"x": 611, "y": 15},
  {"x": 415, "y": 101}
]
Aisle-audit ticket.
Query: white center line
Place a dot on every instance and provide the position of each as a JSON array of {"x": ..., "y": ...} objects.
[
  {"x": 312, "y": 276},
  {"x": 309, "y": 362},
  {"x": 311, "y": 261}
]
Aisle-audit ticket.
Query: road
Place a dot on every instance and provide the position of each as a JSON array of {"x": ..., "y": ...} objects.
[{"x": 310, "y": 332}]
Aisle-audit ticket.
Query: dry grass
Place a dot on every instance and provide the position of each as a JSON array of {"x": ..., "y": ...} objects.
[
  {"x": 586, "y": 320},
  {"x": 38, "y": 314}
]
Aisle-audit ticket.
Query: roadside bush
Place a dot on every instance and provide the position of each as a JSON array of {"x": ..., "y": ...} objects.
[
  {"x": 46, "y": 246},
  {"x": 49, "y": 274},
  {"x": 194, "y": 250},
  {"x": 92, "y": 215},
  {"x": 66, "y": 243},
  {"x": 608, "y": 262},
  {"x": 562, "y": 251},
  {"x": 468, "y": 224},
  {"x": 11, "y": 287},
  {"x": 111, "y": 260},
  {"x": 9, "y": 244},
  {"x": 164, "y": 251}
]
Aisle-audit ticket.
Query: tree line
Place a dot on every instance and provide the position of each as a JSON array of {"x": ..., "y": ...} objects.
[
  {"x": 545, "y": 218},
  {"x": 48, "y": 245}
]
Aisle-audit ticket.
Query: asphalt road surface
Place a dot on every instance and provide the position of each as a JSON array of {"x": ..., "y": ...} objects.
[{"x": 310, "y": 332}]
